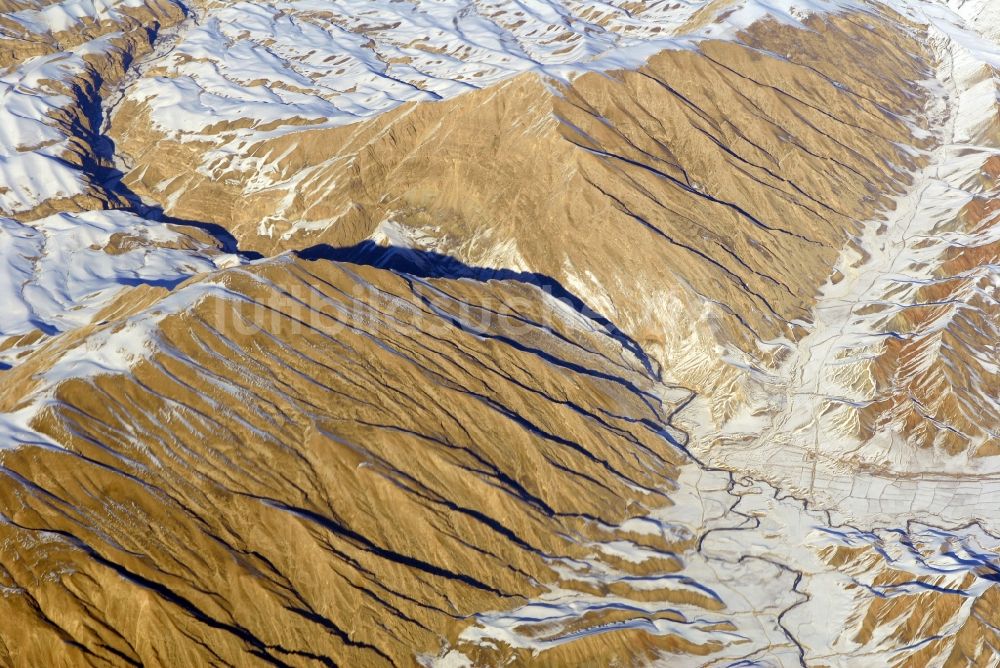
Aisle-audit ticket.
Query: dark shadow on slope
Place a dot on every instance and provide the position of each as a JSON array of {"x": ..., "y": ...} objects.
[
  {"x": 424, "y": 264},
  {"x": 227, "y": 242},
  {"x": 168, "y": 283},
  {"x": 111, "y": 179},
  {"x": 430, "y": 264},
  {"x": 103, "y": 170},
  {"x": 43, "y": 327}
]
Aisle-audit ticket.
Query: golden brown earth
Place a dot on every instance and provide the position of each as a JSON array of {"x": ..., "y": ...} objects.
[{"x": 540, "y": 373}]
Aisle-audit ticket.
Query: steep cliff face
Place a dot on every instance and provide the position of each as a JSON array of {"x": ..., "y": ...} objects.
[{"x": 482, "y": 333}]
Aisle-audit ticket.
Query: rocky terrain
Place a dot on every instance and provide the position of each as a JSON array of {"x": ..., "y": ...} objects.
[{"x": 473, "y": 333}]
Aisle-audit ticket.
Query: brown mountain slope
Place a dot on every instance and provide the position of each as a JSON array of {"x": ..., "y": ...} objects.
[
  {"x": 439, "y": 452},
  {"x": 722, "y": 175},
  {"x": 431, "y": 449},
  {"x": 307, "y": 461}
]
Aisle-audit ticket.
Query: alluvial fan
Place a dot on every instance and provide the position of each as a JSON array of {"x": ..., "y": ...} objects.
[{"x": 473, "y": 333}]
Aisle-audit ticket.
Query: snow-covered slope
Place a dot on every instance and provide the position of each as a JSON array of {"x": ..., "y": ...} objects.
[
  {"x": 58, "y": 272},
  {"x": 340, "y": 62},
  {"x": 244, "y": 73},
  {"x": 524, "y": 498},
  {"x": 56, "y": 60},
  {"x": 336, "y": 63}
]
